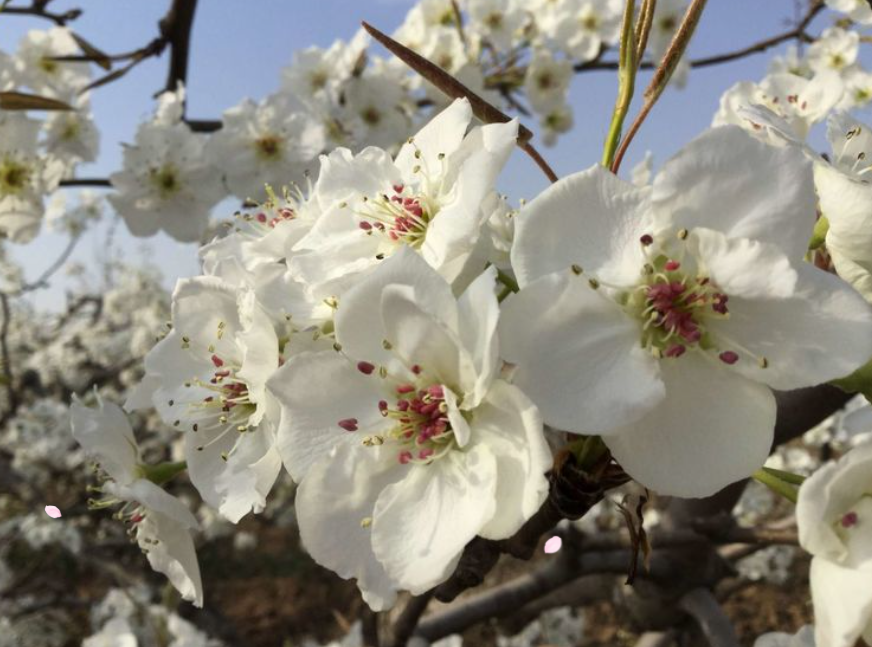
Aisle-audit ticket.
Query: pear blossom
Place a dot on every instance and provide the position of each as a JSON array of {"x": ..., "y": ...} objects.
[
  {"x": 428, "y": 198},
  {"x": 25, "y": 176},
  {"x": 377, "y": 106},
  {"x": 586, "y": 26},
  {"x": 857, "y": 10},
  {"x": 159, "y": 521},
  {"x": 36, "y": 69},
  {"x": 834, "y": 517},
  {"x": 858, "y": 88},
  {"x": 72, "y": 136},
  {"x": 846, "y": 200},
  {"x": 835, "y": 50},
  {"x": 803, "y": 638},
  {"x": 546, "y": 81},
  {"x": 556, "y": 122},
  {"x": 426, "y": 18},
  {"x": 316, "y": 72},
  {"x": 653, "y": 309},
  {"x": 499, "y": 22},
  {"x": 207, "y": 377},
  {"x": 167, "y": 182},
  {"x": 266, "y": 143},
  {"x": 800, "y": 102},
  {"x": 792, "y": 61},
  {"x": 406, "y": 442}
]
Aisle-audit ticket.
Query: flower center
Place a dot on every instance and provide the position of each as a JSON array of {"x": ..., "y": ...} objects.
[
  {"x": 14, "y": 177},
  {"x": 402, "y": 216},
  {"x": 590, "y": 22},
  {"x": 421, "y": 430},
  {"x": 165, "y": 179},
  {"x": 269, "y": 148},
  {"x": 674, "y": 302}
]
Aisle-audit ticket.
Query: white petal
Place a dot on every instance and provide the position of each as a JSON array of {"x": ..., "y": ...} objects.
[
  {"x": 173, "y": 554},
  {"x": 454, "y": 231},
  {"x": 159, "y": 500},
  {"x": 443, "y": 135},
  {"x": 822, "y": 332},
  {"x": 713, "y": 428},
  {"x": 250, "y": 472},
  {"x": 316, "y": 391},
  {"x": 828, "y": 494},
  {"x": 742, "y": 267},
  {"x": 578, "y": 355},
  {"x": 358, "y": 320},
  {"x": 343, "y": 175},
  {"x": 842, "y": 602},
  {"x": 729, "y": 181},
  {"x": 421, "y": 339},
  {"x": 509, "y": 424},
  {"x": 338, "y": 493},
  {"x": 479, "y": 314},
  {"x": 106, "y": 433},
  {"x": 590, "y": 218},
  {"x": 422, "y": 523}
]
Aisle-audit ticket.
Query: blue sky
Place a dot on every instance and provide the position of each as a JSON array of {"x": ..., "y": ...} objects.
[{"x": 240, "y": 46}]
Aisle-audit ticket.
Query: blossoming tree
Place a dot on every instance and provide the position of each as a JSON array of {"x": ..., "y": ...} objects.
[{"x": 423, "y": 377}]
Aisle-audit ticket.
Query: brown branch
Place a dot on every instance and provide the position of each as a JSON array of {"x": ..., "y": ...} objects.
[
  {"x": 369, "y": 627},
  {"x": 176, "y": 28},
  {"x": 60, "y": 19},
  {"x": 204, "y": 125},
  {"x": 86, "y": 181},
  {"x": 405, "y": 625},
  {"x": 573, "y": 492},
  {"x": 797, "y": 33},
  {"x": 8, "y": 378},
  {"x": 701, "y": 605}
]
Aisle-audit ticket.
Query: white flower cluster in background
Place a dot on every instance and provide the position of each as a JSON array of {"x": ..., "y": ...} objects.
[{"x": 36, "y": 154}]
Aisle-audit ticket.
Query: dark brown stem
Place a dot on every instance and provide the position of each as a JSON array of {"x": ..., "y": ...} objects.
[
  {"x": 408, "y": 620},
  {"x": 8, "y": 378},
  {"x": 60, "y": 19},
  {"x": 86, "y": 181},
  {"x": 204, "y": 125},
  {"x": 176, "y": 30},
  {"x": 369, "y": 627}
]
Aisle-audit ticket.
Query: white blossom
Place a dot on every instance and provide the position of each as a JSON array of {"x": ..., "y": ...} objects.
[
  {"x": 36, "y": 69},
  {"x": 643, "y": 311},
  {"x": 271, "y": 142},
  {"x": 159, "y": 521},
  {"x": 429, "y": 198},
  {"x": 834, "y": 516},
  {"x": 207, "y": 378},
  {"x": 407, "y": 443}
]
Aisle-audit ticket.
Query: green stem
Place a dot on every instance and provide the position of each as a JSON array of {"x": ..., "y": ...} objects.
[
  {"x": 510, "y": 283},
  {"x": 163, "y": 472},
  {"x": 776, "y": 484},
  {"x": 626, "y": 85},
  {"x": 787, "y": 477}
]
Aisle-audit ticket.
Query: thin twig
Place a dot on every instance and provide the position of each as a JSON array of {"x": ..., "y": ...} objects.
[
  {"x": 798, "y": 33},
  {"x": 43, "y": 278},
  {"x": 176, "y": 29},
  {"x": 8, "y": 378},
  {"x": 369, "y": 627},
  {"x": 86, "y": 181},
  {"x": 60, "y": 19}
]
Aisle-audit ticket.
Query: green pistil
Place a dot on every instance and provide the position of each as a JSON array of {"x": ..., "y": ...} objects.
[
  {"x": 269, "y": 148},
  {"x": 14, "y": 177},
  {"x": 166, "y": 181}
]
